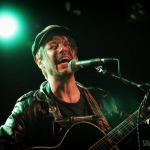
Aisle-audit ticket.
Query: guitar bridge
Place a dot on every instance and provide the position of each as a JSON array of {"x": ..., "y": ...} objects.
[{"x": 79, "y": 118}]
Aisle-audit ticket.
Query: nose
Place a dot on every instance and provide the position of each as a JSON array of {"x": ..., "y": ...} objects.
[
  {"x": 64, "y": 50},
  {"x": 60, "y": 50}
]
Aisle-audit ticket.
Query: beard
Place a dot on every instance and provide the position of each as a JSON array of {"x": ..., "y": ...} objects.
[{"x": 64, "y": 75}]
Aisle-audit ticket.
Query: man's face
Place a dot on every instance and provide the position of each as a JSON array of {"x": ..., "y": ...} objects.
[{"x": 56, "y": 55}]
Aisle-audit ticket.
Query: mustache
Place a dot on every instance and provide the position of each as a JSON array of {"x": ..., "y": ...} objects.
[{"x": 59, "y": 56}]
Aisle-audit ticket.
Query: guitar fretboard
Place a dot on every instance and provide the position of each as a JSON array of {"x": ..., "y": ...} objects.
[{"x": 121, "y": 131}]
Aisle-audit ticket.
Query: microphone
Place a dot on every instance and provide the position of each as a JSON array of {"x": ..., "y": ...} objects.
[{"x": 75, "y": 65}]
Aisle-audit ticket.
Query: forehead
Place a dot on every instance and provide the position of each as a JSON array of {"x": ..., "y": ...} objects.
[
  {"x": 57, "y": 39},
  {"x": 60, "y": 38}
]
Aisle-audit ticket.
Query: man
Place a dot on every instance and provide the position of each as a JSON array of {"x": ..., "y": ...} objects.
[{"x": 45, "y": 117}]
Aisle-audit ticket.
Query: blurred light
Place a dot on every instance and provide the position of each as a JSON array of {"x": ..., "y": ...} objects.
[
  {"x": 137, "y": 12},
  {"x": 8, "y": 26},
  {"x": 70, "y": 8},
  {"x": 77, "y": 12},
  {"x": 68, "y": 5},
  {"x": 13, "y": 26}
]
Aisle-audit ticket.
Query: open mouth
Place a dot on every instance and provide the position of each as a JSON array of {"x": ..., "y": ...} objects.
[{"x": 64, "y": 60}]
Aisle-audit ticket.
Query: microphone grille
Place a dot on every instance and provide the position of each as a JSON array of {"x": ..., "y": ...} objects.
[{"x": 72, "y": 65}]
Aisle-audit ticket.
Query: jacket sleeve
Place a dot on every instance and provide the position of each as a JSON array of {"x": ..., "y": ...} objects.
[
  {"x": 13, "y": 131},
  {"x": 29, "y": 124}
]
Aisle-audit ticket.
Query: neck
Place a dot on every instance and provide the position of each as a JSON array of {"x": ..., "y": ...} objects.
[{"x": 65, "y": 90}]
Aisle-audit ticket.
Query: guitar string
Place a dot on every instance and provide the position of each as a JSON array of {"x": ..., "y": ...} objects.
[
  {"x": 128, "y": 124},
  {"x": 144, "y": 111},
  {"x": 130, "y": 118},
  {"x": 103, "y": 140}
]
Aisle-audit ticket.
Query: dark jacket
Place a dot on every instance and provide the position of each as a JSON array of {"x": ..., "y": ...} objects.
[{"x": 31, "y": 122}]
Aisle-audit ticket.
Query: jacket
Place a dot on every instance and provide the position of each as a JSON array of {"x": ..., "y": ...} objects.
[{"x": 32, "y": 122}]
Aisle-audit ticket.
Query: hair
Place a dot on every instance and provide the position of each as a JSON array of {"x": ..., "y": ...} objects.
[
  {"x": 39, "y": 56},
  {"x": 40, "y": 53}
]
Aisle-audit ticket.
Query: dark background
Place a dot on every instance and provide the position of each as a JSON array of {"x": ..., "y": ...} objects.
[{"x": 103, "y": 29}]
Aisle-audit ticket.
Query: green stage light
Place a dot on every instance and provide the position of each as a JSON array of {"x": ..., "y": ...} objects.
[{"x": 8, "y": 26}]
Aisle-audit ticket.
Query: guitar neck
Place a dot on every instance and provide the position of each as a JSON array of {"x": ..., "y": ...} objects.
[{"x": 121, "y": 131}]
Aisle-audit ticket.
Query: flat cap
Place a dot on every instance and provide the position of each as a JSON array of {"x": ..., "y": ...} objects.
[{"x": 51, "y": 30}]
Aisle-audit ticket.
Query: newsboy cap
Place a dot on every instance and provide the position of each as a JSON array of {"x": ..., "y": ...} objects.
[{"x": 50, "y": 30}]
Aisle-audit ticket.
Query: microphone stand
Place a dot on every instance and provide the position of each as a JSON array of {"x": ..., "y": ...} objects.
[{"x": 144, "y": 87}]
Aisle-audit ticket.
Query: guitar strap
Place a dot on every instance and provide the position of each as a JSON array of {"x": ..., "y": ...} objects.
[
  {"x": 102, "y": 122},
  {"x": 54, "y": 109}
]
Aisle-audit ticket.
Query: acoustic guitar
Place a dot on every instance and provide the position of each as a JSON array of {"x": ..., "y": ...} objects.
[{"x": 87, "y": 136}]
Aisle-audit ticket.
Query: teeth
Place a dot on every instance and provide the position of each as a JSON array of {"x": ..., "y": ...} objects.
[{"x": 66, "y": 59}]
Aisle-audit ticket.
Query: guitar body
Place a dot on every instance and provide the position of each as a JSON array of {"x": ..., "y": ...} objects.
[
  {"x": 81, "y": 135},
  {"x": 87, "y": 136}
]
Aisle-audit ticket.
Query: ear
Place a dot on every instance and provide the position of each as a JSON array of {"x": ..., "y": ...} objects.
[{"x": 39, "y": 62}]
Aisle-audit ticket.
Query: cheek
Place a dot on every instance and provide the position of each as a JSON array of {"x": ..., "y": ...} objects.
[
  {"x": 49, "y": 56},
  {"x": 50, "y": 60},
  {"x": 74, "y": 55}
]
